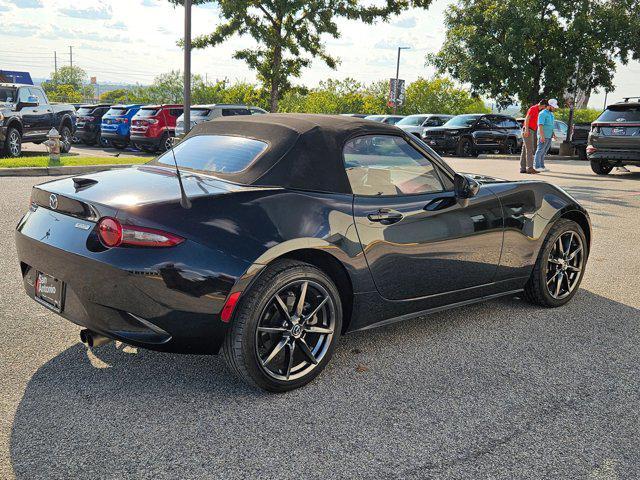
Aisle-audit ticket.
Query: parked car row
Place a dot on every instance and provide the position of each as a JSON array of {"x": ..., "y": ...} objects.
[{"x": 147, "y": 127}]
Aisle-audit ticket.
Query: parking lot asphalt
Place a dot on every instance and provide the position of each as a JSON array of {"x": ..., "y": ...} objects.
[{"x": 498, "y": 390}]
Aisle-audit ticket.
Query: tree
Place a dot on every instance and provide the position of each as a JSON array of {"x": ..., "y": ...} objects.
[
  {"x": 119, "y": 95},
  {"x": 288, "y": 30},
  {"x": 440, "y": 95},
  {"x": 508, "y": 49},
  {"x": 67, "y": 84}
]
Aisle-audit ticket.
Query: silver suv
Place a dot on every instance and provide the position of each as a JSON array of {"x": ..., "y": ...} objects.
[{"x": 202, "y": 113}]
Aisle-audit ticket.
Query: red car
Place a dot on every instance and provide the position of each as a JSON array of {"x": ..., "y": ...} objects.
[{"x": 153, "y": 127}]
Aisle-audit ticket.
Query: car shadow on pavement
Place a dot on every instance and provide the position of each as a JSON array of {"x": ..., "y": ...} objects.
[{"x": 496, "y": 387}]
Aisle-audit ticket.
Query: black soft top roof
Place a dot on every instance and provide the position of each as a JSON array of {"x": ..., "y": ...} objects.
[{"x": 304, "y": 150}]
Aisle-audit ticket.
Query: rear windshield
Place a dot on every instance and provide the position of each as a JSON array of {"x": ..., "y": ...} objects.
[
  {"x": 230, "y": 112},
  {"x": 200, "y": 112},
  {"x": 147, "y": 112},
  {"x": 7, "y": 94},
  {"x": 116, "y": 112},
  {"x": 84, "y": 110},
  {"x": 214, "y": 153},
  {"x": 620, "y": 114}
]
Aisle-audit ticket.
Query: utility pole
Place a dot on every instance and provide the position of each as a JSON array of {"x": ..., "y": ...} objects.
[
  {"x": 187, "y": 66},
  {"x": 395, "y": 93},
  {"x": 55, "y": 61},
  {"x": 71, "y": 56}
]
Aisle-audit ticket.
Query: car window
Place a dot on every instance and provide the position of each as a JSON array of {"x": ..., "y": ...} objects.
[
  {"x": 392, "y": 120},
  {"x": 388, "y": 165},
  {"x": 230, "y": 112},
  {"x": 620, "y": 113},
  {"x": 23, "y": 95},
  {"x": 214, "y": 153},
  {"x": 508, "y": 123},
  {"x": 484, "y": 123},
  {"x": 175, "y": 112},
  {"x": 561, "y": 126},
  {"x": 114, "y": 112},
  {"x": 412, "y": 120},
  {"x": 36, "y": 92},
  {"x": 147, "y": 112}
]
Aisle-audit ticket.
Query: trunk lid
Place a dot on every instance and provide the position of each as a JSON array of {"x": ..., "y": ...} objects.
[{"x": 96, "y": 195}]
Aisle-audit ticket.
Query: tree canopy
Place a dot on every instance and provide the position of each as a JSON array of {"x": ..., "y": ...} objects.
[
  {"x": 508, "y": 49},
  {"x": 67, "y": 84},
  {"x": 288, "y": 33}
]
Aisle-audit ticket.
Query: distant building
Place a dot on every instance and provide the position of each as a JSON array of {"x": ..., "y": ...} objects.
[{"x": 8, "y": 76}]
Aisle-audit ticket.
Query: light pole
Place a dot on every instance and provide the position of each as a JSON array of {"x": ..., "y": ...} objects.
[
  {"x": 187, "y": 66},
  {"x": 395, "y": 93}
]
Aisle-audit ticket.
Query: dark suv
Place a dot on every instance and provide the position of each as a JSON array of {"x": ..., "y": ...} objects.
[
  {"x": 614, "y": 140},
  {"x": 471, "y": 134},
  {"x": 89, "y": 118}
]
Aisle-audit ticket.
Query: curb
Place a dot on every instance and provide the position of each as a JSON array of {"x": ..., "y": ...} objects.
[
  {"x": 61, "y": 170},
  {"x": 517, "y": 157}
]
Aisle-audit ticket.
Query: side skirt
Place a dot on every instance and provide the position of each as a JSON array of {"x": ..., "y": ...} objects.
[{"x": 421, "y": 313}]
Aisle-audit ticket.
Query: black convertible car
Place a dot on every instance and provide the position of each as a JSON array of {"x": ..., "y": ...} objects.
[{"x": 279, "y": 233}]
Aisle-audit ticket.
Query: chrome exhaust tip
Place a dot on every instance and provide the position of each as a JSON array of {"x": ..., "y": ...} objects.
[{"x": 93, "y": 339}]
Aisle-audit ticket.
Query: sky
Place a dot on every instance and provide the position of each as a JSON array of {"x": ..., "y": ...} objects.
[{"x": 132, "y": 41}]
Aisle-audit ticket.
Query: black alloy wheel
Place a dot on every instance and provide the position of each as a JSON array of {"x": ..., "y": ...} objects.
[
  {"x": 511, "y": 146},
  {"x": 465, "y": 148},
  {"x": 564, "y": 265},
  {"x": 285, "y": 328},
  {"x": 560, "y": 265}
]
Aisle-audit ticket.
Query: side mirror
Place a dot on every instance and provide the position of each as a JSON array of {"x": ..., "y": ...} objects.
[{"x": 465, "y": 187}]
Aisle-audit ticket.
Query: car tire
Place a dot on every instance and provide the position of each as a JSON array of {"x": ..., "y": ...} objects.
[
  {"x": 278, "y": 360},
  {"x": 65, "y": 139},
  {"x": 465, "y": 148},
  {"x": 12, "y": 147},
  {"x": 601, "y": 168},
  {"x": 558, "y": 271},
  {"x": 164, "y": 144},
  {"x": 511, "y": 146}
]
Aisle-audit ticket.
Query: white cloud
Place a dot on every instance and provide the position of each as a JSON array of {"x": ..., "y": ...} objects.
[
  {"x": 27, "y": 3},
  {"x": 99, "y": 13}
]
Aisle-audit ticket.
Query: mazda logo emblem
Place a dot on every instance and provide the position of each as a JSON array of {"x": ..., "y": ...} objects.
[{"x": 53, "y": 201}]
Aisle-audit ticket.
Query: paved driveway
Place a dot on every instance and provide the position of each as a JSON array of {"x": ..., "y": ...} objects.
[{"x": 495, "y": 390}]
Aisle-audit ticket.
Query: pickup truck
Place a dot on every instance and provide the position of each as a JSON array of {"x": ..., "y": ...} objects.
[{"x": 27, "y": 116}]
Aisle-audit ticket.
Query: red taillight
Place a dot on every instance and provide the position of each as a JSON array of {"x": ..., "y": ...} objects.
[
  {"x": 122, "y": 120},
  {"x": 89, "y": 119},
  {"x": 110, "y": 232},
  {"x": 113, "y": 234},
  {"x": 229, "y": 306},
  {"x": 591, "y": 149}
]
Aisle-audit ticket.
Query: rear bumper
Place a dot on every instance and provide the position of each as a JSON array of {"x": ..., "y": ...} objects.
[
  {"x": 627, "y": 157},
  {"x": 152, "y": 298},
  {"x": 145, "y": 141},
  {"x": 115, "y": 136}
]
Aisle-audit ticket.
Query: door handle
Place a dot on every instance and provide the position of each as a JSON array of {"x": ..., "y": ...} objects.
[{"x": 385, "y": 216}]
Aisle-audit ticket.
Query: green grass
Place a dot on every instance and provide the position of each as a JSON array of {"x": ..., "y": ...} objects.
[{"x": 43, "y": 161}]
